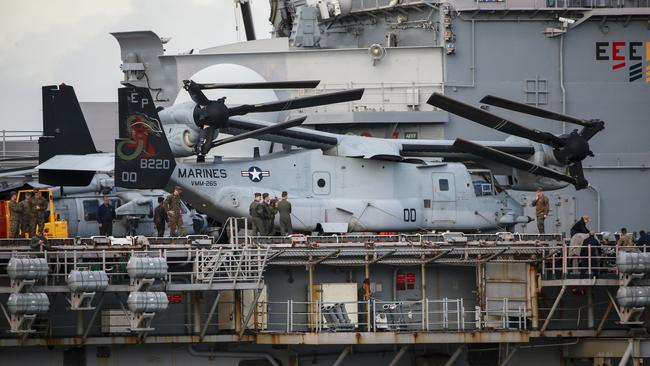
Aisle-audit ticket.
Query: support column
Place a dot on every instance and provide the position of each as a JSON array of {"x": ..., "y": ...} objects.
[
  {"x": 590, "y": 308},
  {"x": 196, "y": 302},
  {"x": 424, "y": 294},
  {"x": 310, "y": 295},
  {"x": 532, "y": 293}
]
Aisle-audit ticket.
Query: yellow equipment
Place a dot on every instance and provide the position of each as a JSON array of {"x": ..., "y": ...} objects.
[{"x": 54, "y": 226}]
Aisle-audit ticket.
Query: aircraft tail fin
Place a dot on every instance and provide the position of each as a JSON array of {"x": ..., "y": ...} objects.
[
  {"x": 143, "y": 158},
  {"x": 65, "y": 132}
]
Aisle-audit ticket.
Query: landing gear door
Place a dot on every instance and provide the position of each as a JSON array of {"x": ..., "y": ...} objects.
[{"x": 444, "y": 197}]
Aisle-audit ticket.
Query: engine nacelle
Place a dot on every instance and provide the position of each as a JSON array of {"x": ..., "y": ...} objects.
[{"x": 182, "y": 139}]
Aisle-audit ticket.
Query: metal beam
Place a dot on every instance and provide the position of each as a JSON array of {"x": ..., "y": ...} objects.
[
  {"x": 438, "y": 256},
  {"x": 454, "y": 356},
  {"x": 627, "y": 354},
  {"x": 399, "y": 355},
  {"x": 328, "y": 256},
  {"x": 92, "y": 319},
  {"x": 604, "y": 318},
  {"x": 382, "y": 257},
  {"x": 342, "y": 356},
  {"x": 213, "y": 308},
  {"x": 509, "y": 356},
  {"x": 555, "y": 304},
  {"x": 252, "y": 309}
]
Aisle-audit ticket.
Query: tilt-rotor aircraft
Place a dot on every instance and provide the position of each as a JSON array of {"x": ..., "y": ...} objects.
[{"x": 350, "y": 182}]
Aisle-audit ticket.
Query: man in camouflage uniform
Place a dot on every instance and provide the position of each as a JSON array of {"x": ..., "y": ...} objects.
[
  {"x": 256, "y": 215},
  {"x": 40, "y": 207},
  {"x": 160, "y": 217},
  {"x": 174, "y": 215},
  {"x": 541, "y": 209},
  {"x": 15, "y": 216},
  {"x": 27, "y": 209},
  {"x": 267, "y": 215},
  {"x": 284, "y": 208}
]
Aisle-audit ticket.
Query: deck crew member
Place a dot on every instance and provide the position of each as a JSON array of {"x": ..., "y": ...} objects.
[
  {"x": 267, "y": 214},
  {"x": 541, "y": 209},
  {"x": 40, "y": 207},
  {"x": 580, "y": 227},
  {"x": 15, "y": 216},
  {"x": 644, "y": 238},
  {"x": 284, "y": 208},
  {"x": 160, "y": 217},
  {"x": 105, "y": 217},
  {"x": 27, "y": 211},
  {"x": 256, "y": 215},
  {"x": 625, "y": 241},
  {"x": 174, "y": 215}
]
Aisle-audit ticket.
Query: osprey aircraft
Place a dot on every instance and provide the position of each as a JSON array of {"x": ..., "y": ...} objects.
[{"x": 352, "y": 183}]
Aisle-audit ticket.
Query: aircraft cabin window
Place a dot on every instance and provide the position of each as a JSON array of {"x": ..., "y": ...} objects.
[
  {"x": 90, "y": 209},
  {"x": 321, "y": 183},
  {"x": 444, "y": 184}
]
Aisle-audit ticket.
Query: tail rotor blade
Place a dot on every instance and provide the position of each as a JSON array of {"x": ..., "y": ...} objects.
[
  {"x": 512, "y": 161},
  {"x": 492, "y": 121},
  {"x": 261, "y": 131},
  {"x": 299, "y": 84},
  {"x": 534, "y": 111},
  {"x": 304, "y": 102}
]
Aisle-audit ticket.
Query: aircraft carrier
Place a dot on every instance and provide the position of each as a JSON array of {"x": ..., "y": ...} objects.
[{"x": 424, "y": 299}]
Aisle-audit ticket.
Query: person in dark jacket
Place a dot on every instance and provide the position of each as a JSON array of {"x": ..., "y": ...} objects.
[
  {"x": 580, "y": 227},
  {"x": 644, "y": 238},
  {"x": 105, "y": 217},
  {"x": 160, "y": 217},
  {"x": 591, "y": 253}
]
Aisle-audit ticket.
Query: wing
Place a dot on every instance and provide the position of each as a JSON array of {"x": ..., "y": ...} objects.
[
  {"x": 368, "y": 147},
  {"x": 101, "y": 163}
]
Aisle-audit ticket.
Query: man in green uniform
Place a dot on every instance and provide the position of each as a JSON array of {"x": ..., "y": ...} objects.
[
  {"x": 284, "y": 208},
  {"x": 27, "y": 209},
  {"x": 273, "y": 205},
  {"x": 15, "y": 216},
  {"x": 255, "y": 211},
  {"x": 266, "y": 213},
  {"x": 174, "y": 215},
  {"x": 160, "y": 217},
  {"x": 541, "y": 209},
  {"x": 40, "y": 207}
]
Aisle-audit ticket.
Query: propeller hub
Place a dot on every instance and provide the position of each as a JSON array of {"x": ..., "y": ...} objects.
[
  {"x": 214, "y": 114},
  {"x": 575, "y": 150}
]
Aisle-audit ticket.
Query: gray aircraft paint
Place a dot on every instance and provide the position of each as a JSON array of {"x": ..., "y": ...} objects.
[{"x": 369, "y": 195}]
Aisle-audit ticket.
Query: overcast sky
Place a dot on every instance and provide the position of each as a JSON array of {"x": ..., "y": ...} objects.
[{"x": 45, "y": 42}]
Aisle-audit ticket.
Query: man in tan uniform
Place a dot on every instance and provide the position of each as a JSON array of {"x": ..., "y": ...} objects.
[
  {"x": 541, "y": 209},
  {"x": 174, "y": 214}
]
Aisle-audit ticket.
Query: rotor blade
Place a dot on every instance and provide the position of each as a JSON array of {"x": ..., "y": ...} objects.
[
  {"x": 203, "y": 143},
  {"x": 194, "y": 90},
  {"x": 510, "y": 160},
  {"x": 490, "y": 120},
  {"x": 528, "y": 109},
  {"x": 589, "y": 131},
  {"x": 304, "y": 102},
  {"x": 261, "y": 131},
  {"x": 575, "y": 170},
  {"x": 299, "y": 84}
]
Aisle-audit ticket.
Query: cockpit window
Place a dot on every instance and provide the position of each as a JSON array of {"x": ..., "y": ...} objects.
[{"x": 482, "y": 183}]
